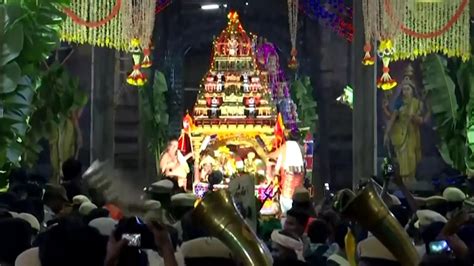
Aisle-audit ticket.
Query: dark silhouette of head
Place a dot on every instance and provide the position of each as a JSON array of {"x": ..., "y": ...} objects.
[
  {"x": 72, "y": 243},
  {"x": 16, "y": 235},
  {"x": 72, "y": 169},
  {"x": 296, "y": 221},
  {"x": 318, "y": 232}
]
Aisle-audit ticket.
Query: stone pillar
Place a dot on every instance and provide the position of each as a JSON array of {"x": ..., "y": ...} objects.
[
  {"x": 364, "y": 133},
  {"x": 102, "y": 104}
]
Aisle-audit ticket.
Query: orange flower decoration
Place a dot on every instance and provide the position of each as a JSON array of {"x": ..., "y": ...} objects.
[{"x": 368, "y": 59}]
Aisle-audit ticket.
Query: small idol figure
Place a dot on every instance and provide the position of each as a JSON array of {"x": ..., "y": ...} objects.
[
  {"x": 220, "y": 82},
  {"x": 214, "y": 108},
  {"x": 233, "y": 46},
  {"x": 251, "y": 107}
]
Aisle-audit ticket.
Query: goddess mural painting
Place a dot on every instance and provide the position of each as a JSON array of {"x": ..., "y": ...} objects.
[{"x": 403, "y": 126}]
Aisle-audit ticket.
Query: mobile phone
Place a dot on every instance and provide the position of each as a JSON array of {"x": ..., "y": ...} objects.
[
  {"x": 439, "y": 247},
  {"x": 133, "y": 240}
]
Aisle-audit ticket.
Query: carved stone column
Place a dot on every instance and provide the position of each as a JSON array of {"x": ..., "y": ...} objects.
[{"x": 364, "y": 133}]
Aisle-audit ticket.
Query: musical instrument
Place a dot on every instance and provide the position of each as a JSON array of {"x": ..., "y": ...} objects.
[
  {"x": 367, "y": 208},
  {"x": 218, "y": 214}
]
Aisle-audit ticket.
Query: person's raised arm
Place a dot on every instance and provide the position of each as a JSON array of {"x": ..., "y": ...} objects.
[
  {"x": 448, "y": 233},
  {"x": 114, "y": 248},
  {"x": 398, "y": 180},
  {"x": 163, "y": 243}
]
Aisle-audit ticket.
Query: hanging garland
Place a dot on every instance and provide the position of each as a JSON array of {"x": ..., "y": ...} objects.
[
  {"x": 293, "y": 23},
  {"x": 138, "y": 20},
  {"x": 433, "y": 28},
  {"x": 96, "y": 23},
  {"x": 378, "y": 27},
  {"x": 435, "y": 33},
  {"x": 338, "y": 17}
]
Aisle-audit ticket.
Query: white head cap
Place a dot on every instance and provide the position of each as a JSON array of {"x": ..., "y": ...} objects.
[
  {"x": 164, "y": 185},
  {"x": 105, "y": 225},
  {"x": 205, "y": 247},
  {"x": 152, "y": 205},
  {"x": 395, "y": 200},
  {"x": 454, "y": 194},
  {"x": 30, "y": 219},
  {"x": 184, "y": 199},
  {"x": 86, "y": 208},
  {"x": 29, "y": 257},
  {"x": 427, "y": 217},
  {"x": 79, "y": 199}
]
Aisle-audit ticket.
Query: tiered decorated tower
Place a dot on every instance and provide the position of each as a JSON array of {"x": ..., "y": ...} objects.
[
  {"x": 234, "y": 125},
  {"x": 232, "y": 91}
]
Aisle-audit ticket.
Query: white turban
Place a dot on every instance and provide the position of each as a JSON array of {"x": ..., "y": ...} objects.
[
  {"x": 289, "y": 242},
  {"x": 29, "y": 257}
]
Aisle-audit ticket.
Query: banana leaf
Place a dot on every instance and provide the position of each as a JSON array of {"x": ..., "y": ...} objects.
[
  {"x": 465, "y": 77},
  {"x": 155, "y": 116},
  {"x": 441, "y": 93},
  {"x": 447, "y": 114}
]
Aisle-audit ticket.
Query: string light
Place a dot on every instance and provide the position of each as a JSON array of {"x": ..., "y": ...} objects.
[
  {"x": 334, "y": 14},
  {"x": 161, "y": 5}
]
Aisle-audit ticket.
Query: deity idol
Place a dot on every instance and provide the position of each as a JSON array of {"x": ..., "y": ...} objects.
[
  {"x": 233, "y": 46},
  {"x": 403, "y": 127}
]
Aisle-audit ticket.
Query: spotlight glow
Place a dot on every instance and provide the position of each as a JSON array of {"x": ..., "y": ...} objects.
[{"x": 210, "y": 7}]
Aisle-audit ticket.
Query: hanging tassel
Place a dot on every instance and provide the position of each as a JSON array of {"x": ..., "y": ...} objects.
[
  {"x": 293, "y": 64},
  {"x": 386, "y": 52},
  {"x": 368, "y": 59},
  {"x": 136, "y": 78},
  {"x": 146, "y": 63}
]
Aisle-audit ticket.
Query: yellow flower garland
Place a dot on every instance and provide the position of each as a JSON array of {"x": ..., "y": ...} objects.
[{"x": 131, "y": 22}]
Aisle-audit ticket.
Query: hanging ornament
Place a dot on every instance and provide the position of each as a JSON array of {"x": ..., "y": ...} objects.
[
  {"x": 293, "y": 63},
  {"x": 293, "y": 24},
  {"x": 146, "y": 63},
  {"x": 138, "y": 19},
  {"x": 136, "y": 77},
  {"x": 432, "y": 27},
  {"x": 386, "y": 52},
  {"x": 378, "y": 26},
  {"x": 368, "y": 59}
]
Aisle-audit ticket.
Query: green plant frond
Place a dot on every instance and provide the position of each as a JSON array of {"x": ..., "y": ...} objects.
[{"x": 306, "y": 105}]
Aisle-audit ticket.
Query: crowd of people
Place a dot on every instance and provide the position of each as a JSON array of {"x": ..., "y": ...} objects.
[{"x": 70, "y": 224}]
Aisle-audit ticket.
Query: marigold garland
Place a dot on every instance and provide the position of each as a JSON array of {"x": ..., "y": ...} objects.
[
  {"x": 386, "y": 52},
  {"x": 136, "y": 77},
  {"x": 377, "y": 28}
]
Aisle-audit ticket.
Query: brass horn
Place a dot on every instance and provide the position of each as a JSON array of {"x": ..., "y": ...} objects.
[
  {"x": 367, "y": 208},
  {"x": 218, "y": 214}
]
